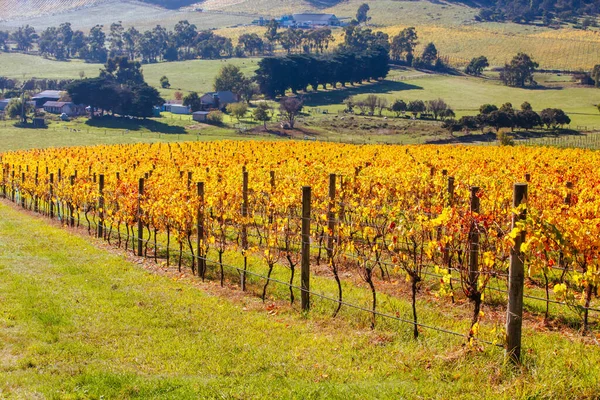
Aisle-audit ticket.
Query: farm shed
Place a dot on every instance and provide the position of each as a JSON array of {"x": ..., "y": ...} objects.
[
  {"x": 200, "y": 116},
  {"x": 64, "y": 107},
  {"x": 179, "y": 109},
  {"x": 46, "y": 96},
  {"x": 310, "y": 20}
]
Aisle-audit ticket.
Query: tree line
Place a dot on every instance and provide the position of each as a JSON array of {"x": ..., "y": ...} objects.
[
  {"x": 295, "y": 72},
  {"x": 364, "y": 56},
  {"x": 508, "y": 117},
  {"x": 10, "y": 87},
  {"x": 184, "y": 42},
  {"x": 372, "y": 104}
]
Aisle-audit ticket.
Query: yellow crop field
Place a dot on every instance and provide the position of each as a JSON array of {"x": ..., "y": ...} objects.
[{"x": 564, "y": 49}]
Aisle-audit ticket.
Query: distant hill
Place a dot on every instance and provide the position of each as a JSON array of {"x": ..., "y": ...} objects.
[
  {"x": 19, "y": 9},
  {"x": 171, "y": 4}
]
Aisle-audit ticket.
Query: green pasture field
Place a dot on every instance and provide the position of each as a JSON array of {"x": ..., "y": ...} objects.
[
  {"x": 184, "y": 76},
  {"x": 464, "y": 94}
]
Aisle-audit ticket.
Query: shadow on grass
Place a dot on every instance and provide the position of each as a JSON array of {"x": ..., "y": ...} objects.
[
  {"x": 489, "y": 137},
  {"x": 543, "y": 133},
  {"x": 29, "y": 125},
  {"x": 337, "y": 96},
  {"x": 152, "y": 125},
  {"x": 466, "y": 139}
]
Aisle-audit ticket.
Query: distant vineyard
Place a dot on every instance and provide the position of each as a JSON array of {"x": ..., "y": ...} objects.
[{"x": 565, "y": 49}]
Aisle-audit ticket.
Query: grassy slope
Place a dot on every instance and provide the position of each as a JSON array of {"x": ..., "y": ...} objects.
[
  {"x": 466, "y": 94},
  {"x": 185, "y": 76},
  {"x": 462, "y": 93},
  {"x": 84, "y": 323},
  {"x": 130, "y": 13},
  {"x": 449, "y": 25}
]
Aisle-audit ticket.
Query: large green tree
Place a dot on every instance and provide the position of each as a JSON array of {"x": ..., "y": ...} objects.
[
  {"x": 362, "y": 15},
  {"x": 403, "y": 45},
  {"x": 24, "y": 37},
  {"x": 229, "y": 78},
  {"x": 192, "y": 100},
  {"x": 477, "y": 65},
  {"x": 595, "y": 75},
  {"x": 123, "y": 71},
  {"x": 519, "y": 72}
]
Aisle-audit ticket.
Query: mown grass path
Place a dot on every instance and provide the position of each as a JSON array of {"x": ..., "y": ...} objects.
[{"x": 79, "y": 322}]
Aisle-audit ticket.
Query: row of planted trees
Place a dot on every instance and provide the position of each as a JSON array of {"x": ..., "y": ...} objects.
[{"x": 380, "y": 220}]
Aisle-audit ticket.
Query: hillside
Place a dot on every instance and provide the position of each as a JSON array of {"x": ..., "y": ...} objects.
[{"x": 19, "y": 9}]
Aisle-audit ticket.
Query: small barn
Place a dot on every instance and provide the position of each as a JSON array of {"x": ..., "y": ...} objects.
[
  {"x": 46, "y": 96},
  {"x": 64, "y": 107},
  {"x": 309, "y": 20},
  {"x": 179, "y": 109},
  {"x": 200, "y": 116}
]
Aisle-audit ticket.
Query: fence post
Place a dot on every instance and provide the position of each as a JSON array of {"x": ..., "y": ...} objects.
[
  {"x": 568, "y": 196},
  {"x": 272, "y": 182},
  {"x": 22, "y": 190},
  {"x": 474, "y": 241},
  {"x": 12, "y": 185},
  {"x": 71, "y": 206},
  {"x": 516, "y": 279},
  {"x": 100, "y": 205},
  {"x": 200, "y": 228},
  {"x": 244, "y": 225},
  {"x": 305, "y": 278},
  {"x": 36, "y": 204},
  {"x": 140, "y": 224},
  {"x": 447, "y": 258},
  {"x": 50, "y": 200},
  {"x": 331, "y": 217},
  {"x": 450, "y": 190}
]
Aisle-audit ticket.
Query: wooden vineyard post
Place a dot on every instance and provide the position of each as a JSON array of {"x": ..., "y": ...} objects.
[
  {"x": 22, "y": 190},
  {"x": 244, "y": 225},
  {"x": 447, "y": 258},
  {"x": 36, "y": 200},
  {"x": 71, "y": 207},
  {"x": 516, "y": 280},
  {"x": 474, "y": 241},
  {"x": 568, "y": 196},
  {"x": 100, "y": 205},
  {"x": 200, "y": 227},
  {"x": 50, "y": 199},
  {"x": 305, "y": 278},
  {"x": 331, "y": 217},
  {"x": 140, "y": 224},
  {"x": 3, "y": 183},
  {"x": 12, "y": 185},
  {"x": 272, "y": 182},
  {"x": 450, "y": 191}
]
